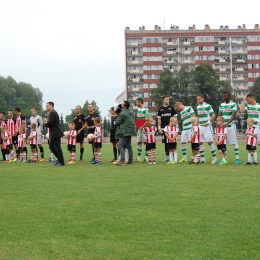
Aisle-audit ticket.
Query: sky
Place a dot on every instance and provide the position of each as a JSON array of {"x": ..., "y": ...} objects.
[{"x": 73, "y": 51}]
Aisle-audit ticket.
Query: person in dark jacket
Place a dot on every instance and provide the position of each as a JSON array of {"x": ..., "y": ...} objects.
[
  {"x": 55, "y": 134},
  {"x": 125, "y": 130}
]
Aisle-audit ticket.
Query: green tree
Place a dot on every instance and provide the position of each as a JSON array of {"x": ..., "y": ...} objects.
[
  {"x": 256, "y": 89},
  {"x": 167, "y": 86},
  {"x": 185, "y": 89},
  {"x": 208, "y": 84},
  {"x": 69, "y": 118},
  {"x": 64, "y": 126}
]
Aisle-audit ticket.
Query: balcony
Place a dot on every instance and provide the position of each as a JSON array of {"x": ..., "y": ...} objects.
[
  {"x": 135, "y": 53},
  {"x": 240, "y": 60},
  {"x": 222, "y": 78},
  {"x": 169, "y": 52},
  {"x": 239, "y": 69},
  {"x": 222, "y": 69},
  {"x": 169, "y": 43},
  {"x": 135, "y": 80},
  {"x": 136, "y": 61},
  {"x": 188, "y": 61},
  {"x": 137, "y": 71}
]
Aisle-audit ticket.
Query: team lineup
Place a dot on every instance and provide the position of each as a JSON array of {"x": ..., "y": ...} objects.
[{"x": 196, "y": 129}]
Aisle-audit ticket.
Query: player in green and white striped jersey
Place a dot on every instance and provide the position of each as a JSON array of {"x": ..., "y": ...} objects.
[
  {"x": 228, "y": 110},
  {"x": 253, "y": 111},
  {"x": 206, "y": 116},
  {"x": 140, "y": 122},
  {"x": 186, "y": 113}
]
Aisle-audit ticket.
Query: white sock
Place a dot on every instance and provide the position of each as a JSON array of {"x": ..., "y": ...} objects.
[
  {"x": 175, "y": 156},
  {"x": 171, "y": 156},
  {"x": 52, "y": 156},
  {"x": 255, "y": 156},
  {"x": 249, "y": 156}
]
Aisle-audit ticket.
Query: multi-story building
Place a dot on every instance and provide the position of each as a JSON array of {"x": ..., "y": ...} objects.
[{"x": 233, "y": 53}]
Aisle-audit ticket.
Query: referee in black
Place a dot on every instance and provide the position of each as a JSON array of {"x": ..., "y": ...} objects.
[
  {"x": 79, "y": 121},
  {"x": 165, "y": 112},
  {"x": 90, "y": 124}
]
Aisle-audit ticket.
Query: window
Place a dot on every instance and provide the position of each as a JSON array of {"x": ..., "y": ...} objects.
[
  {"x": 208, "y": 57},
  {"x": 207, "y": 48},
  {"x": 200, "y": 39},
  {"x": 200, "y": 57},
  {"x": 253, "y": 57},
  {"x": 207, "y": 39},
  {"x": 148, "y": 40},
  {"x": 149, "y": 76},
  {"x": 156, "y": 40},
  {"x": 201, "y": 48}
]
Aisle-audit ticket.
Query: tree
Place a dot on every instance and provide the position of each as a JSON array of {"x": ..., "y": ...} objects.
[
  {"x": 208, "y": 84},
  {"x": 167, "y": 86},
  {"x": 185, "y": 88},
  {"x": 106, "y": 126},
  {"x": 69, "y": 118},
  {"x": 20, "y": 94},
  {"x": 64, "y": 126},
  {"x": 256, "y": 89}
]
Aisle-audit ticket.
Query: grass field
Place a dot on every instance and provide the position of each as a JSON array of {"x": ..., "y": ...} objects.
[{"x": 138, "y": 211}]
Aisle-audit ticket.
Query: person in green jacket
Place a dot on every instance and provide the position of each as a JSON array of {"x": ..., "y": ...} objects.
[{"x": 124, "y": 132}]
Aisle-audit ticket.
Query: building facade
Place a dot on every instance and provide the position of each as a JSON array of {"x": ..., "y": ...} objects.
[{"x": 233, "y": 53}]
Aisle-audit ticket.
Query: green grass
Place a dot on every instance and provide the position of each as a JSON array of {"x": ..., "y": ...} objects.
[{"x": 138, "y": 211}]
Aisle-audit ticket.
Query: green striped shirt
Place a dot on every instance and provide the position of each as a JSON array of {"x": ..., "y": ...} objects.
[
  {"x": 226, "y": 110},
  {"x": 142, "y": 113},
  {"x": 186, "y": 115},
  {"x": 253, "y": 111},
  {"x": 204, "y": 112}
]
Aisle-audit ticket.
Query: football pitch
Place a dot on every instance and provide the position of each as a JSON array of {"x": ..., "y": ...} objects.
[{"x": 137, "y": 211}]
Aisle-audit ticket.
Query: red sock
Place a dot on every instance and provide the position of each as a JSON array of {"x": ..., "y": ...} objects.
[{"x": 100, "y": 157}]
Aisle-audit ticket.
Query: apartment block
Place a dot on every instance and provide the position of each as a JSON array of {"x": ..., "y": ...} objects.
[{"x": 233, "y": 53}]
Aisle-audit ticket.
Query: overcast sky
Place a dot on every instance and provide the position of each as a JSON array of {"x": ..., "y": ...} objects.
[{"x": 74, "y": 50}]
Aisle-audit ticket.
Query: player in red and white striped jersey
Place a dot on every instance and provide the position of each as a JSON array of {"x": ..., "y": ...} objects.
[
  {"x": 12, "y": 131},
  {"x": 3, "y": 123},
  {"x": 33, "y": 142},
  {"x": 97, "y": 141},
  {"x": 5, "y": 143},
  {"x": 251, "y": 141},
  {"x": 221, "y": 139},
  {"x": 72, "y": 135},
  {"x": 149, "y": 131},
  {"x": 171, "y": 133},
  {"x": 195, "y": 140},
  {"x": 22, "y": 144}
]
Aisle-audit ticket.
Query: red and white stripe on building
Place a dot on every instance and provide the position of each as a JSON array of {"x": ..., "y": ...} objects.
[
  {"x": 251, "y": 140},
  {"x": 72, "y": 140},
  {"x": 172, "y": 131},
  {"x": 220, "y": 132},
  {"x": 150, "y": 134},
  {"x": 98, "y": 134},
  {"x": 195, "y": 129}
]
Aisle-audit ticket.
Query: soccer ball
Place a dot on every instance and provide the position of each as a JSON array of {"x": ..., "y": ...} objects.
[
  {"x": 90, "y": 137},
  {"x": 65, "y": 133},
  {"x": 47, "y": 136}
]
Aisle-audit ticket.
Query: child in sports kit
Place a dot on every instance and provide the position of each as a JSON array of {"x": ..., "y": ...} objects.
[
  {"x": 195, "y": 141},
  {"x": 221, "y": 139},
  {"x": 33, "y": 142},
  {"x": 97, "y": 141},
  {"x": 71, "y": 136},
  {"x": 5, "y": 146},
  {"x": 21, "y": 144},
  {"x": 171, "y": 133},
  {"x": 251, "y": 140},
  {"x": 149, "y": 131}
]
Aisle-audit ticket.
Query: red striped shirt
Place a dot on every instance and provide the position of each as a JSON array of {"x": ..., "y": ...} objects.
[
  {"x": 150, "y": 134},
  {"x": 220, "y": 132},
  {"x": 72, "y": 140},
  {"x": 251, "y": 140},
  {"x": 195, "y": 129},
  {"x": 21, "y": 140},
  {"x": 19, "y": 121},
  {"x": 172, "y": 131},
  {"x": 3, "y": 124},
  {"x": 98, "y": 134},
  {"x": 11, "y": 126},
  {"x": 5, "y": 142},
  {"x": 35, "y": 137}
]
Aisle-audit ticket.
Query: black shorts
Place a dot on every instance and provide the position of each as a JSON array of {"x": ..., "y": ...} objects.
[
  {"x": 33, "y": 146},
  {"x": 249, "y": 147},
  {"x": 172, "y": 146},
  {"x": 150, "y": 146},
  {"x": 195, "y": 146},
  {"x": 222, "y": 147},
  {"x": 22, "y": 149},
  {"x": 80, "y": 138},
  {"x": 97, "y": 145},
  {"x": 9, "y": 147},
  {"x": 71, "y": 147},
  {"x": 15, "y": 139},
  {"x": 113, "y": 138},
  {"x": 5, "y": 151}
]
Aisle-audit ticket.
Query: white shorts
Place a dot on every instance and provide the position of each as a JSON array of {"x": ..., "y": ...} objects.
[
  {"x": 185, "y": 136},
  {"x": 39, "y": 141},
  {"x": 142, "y": 138},
  {"x": 206, "y": 134},
  {"x": 231, "y": 135}
]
